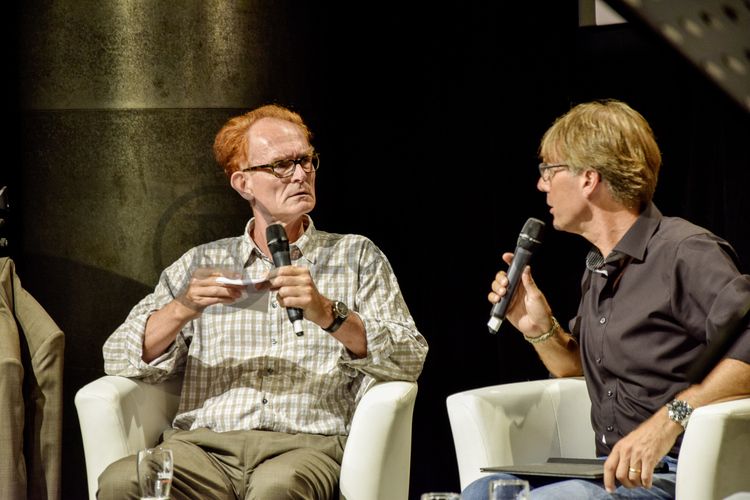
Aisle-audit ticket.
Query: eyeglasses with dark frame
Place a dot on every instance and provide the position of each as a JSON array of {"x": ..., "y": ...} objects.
[
  {"x": 285, "y": 168},
  {"x": 548, "y": 170}
]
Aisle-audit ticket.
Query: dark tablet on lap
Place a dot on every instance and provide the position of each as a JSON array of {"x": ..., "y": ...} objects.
[{"x": 583, "y": 468}]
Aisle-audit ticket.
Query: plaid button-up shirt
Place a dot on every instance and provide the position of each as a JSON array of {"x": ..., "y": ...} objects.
[{"x": 246, "y": 369}]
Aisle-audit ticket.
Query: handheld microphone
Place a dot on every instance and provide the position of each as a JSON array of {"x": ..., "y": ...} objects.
[
  {"x": 278, "y": 244},
  {"x": 528, "y": 241}
]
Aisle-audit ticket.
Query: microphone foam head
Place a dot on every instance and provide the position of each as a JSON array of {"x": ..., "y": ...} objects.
[
  {"x": 276, "y": 238},
  {"x": 531, "y": 234}
]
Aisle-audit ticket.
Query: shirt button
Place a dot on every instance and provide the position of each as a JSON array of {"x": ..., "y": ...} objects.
[
  {"x": 598, "y": 361},
  {"x": 602, "y": 320},
  {"x": 274, "y": 341},
  {"x": 274, "y": 304},
  {"x": 270, "y": 371},
  {"x": 609, "y": 393},
  {"x": 265, "y": 401},
  {"x": 610, "y": 428}
]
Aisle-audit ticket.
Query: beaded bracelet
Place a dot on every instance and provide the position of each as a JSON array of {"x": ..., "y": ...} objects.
[{"x": 546, "y": 335}]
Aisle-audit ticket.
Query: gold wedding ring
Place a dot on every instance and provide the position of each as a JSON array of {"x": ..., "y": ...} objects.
[{"x": 634, "y": 471}]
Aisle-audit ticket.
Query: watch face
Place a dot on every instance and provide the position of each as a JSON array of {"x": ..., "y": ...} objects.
[
  {"x": 340, "y": 309},
  {"x": 340, "y": 313},
  {"x": 678, "y": 410}
]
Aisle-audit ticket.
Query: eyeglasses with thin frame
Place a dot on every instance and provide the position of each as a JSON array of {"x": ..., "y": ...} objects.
[
  {"x": 285, "y": 168},
  {"x": 548, "y": 170}
]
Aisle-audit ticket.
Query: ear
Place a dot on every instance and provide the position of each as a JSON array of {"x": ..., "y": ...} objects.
[
  {"x": 590, "y": 180},
  {"x": 243, "y": 184}
]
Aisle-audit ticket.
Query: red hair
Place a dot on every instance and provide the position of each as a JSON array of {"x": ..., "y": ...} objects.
[{"x": 230, "y": 144}]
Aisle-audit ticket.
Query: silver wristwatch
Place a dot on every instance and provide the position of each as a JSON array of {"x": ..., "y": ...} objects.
[{"x": 679, "y": 411}]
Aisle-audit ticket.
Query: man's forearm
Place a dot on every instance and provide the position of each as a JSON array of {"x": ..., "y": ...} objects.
[
  {"x": 730, "y": 379},
  {"x": 560, "y": 354},
  {"x": 162, "y": 328}
]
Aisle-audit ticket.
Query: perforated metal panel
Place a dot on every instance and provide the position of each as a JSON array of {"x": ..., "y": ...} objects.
[{"x": 713, "y": 34}]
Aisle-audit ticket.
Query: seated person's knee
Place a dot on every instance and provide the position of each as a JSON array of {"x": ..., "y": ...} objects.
[
  {"x": 119, "y": 481},
  {"x": 276, "y": 483}
]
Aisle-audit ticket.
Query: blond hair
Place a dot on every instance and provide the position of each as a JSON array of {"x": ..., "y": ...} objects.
[{"x": 613, "y": 139}]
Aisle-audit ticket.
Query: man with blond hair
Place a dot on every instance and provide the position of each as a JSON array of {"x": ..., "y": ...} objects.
[{"x": 656, "y": 291}]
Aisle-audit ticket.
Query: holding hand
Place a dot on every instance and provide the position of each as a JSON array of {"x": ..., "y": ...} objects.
[
  {"x": 295, "y": 287},
  {"x": 528, "y": 311},
  {"x": 203, "y": 291}
]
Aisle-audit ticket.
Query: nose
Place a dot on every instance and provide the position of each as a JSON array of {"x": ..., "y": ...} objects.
[
  {"x": 542, "y": 186},
  {"x": 299, "y": 173}
]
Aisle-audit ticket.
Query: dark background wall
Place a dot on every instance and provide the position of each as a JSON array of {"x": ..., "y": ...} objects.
[{"x": 427, "y": 119}]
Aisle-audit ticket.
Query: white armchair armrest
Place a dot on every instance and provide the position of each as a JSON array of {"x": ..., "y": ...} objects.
[
  {"x": 377, "y": 456},
  {"x": 715, "y": 452},
  {"x": 119, "y": 416}
]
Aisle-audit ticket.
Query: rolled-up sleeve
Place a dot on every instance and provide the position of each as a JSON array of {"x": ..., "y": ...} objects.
[
  {"x": 123, "y": 350},
  {"x": 395, "y": 348}
]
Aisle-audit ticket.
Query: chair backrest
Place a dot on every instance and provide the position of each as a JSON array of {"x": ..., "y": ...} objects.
[{"x": 119, "y": 416}]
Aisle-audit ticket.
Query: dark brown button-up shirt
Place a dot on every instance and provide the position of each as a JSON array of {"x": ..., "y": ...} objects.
[{"x": 647, "y": 312}]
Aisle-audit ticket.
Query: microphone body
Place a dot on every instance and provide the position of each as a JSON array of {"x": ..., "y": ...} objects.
[
  {"x": 528, "y": 241},
  {"x": 278, "y": 244}
]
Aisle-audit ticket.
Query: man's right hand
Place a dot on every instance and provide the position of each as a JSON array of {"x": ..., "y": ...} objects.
[
  {"x": 528, "y": 311},
  {"x": 163, "y": 325},
  {"x": 204, "y": 291}
]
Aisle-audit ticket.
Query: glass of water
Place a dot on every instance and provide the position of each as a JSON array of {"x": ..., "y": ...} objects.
[{"x": 155, "y": 468}]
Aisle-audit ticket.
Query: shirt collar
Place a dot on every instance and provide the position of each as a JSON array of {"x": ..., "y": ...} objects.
[
  {"x": 633, "y": 244},
  {"x": 636, "y": 240},
  {"x": 302, "y": 248}
]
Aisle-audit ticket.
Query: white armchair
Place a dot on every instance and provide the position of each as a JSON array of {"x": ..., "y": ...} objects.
[
  {"x": 528, "y": 422},
  {"x": 114, "y": 423}
]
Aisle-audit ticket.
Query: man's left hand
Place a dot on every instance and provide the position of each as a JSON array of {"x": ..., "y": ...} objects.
[
  {"x": 634, "y": 457},
  {"x": 295, "y": 287}
]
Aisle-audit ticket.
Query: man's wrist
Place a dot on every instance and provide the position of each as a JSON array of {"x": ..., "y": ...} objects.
[
  {"x": 546, "y": 335},
  {"x": 679, "y": 411},
  {"x": 339, "y": 312}
]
